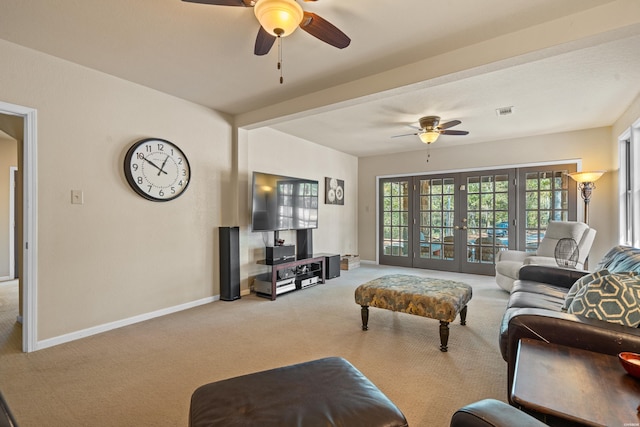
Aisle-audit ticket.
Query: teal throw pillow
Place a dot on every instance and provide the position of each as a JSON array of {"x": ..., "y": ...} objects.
[
  {"x": 579, "y": 284},
  {"x": 614, "y": 298}
]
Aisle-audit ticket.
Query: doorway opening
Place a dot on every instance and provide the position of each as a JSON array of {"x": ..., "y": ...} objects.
[{"x": 20, "y": 123}]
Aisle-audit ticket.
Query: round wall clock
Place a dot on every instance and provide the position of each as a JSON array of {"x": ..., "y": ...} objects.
[{"x": 157, "y": 169}]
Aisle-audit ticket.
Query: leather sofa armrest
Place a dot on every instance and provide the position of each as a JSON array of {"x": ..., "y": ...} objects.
[
  {"x": 492, "y": 413},
  {"x": 6, "y": 417},
  {"x": 564, "y": 277},
  {"x": 569, "y": 330}
]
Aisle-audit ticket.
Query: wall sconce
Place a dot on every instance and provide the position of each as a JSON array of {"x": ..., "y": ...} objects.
[{"x": 586, "y": 184}]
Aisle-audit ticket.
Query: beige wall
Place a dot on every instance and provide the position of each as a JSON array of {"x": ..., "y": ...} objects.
[
  {"x": 8, "y": 159},
  {"x": 630, "y": 117},
  {"x": 116, "y": 256},
  {"x": 591, "y": 146},
  {"x": 274, "y": 152}
]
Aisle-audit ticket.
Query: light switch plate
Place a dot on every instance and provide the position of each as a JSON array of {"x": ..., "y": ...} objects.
[{"x": 77, "y": 198}]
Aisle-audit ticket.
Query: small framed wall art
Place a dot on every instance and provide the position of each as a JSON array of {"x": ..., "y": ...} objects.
[{"x": 333, "y": 191}]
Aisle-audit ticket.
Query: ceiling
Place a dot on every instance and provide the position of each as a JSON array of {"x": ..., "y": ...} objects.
[{"x": 406, "y": 60}]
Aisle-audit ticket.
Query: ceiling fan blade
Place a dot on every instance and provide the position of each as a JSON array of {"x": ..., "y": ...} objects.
[
  {"x": 454, "y": 132},
  {"x": 406, "y": 134},
  {"x": 221, "y": 2},
  {"x": 324, "y": 30},
  {"x": 450, "y": 124},
  {"x": 264, "y": 41}
]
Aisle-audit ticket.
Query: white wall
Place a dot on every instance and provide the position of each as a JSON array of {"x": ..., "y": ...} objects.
[
  {"x": 591, "y": 146},
  {"x": 274, "y": 152},
  {"x": 117, "y": 256}
]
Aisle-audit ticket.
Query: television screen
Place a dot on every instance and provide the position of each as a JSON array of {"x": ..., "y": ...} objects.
[{"x": 283, "y": 203}]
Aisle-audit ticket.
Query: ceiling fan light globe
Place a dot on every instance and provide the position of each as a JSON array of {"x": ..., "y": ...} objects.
[
  {"x": 428, "y": 137},
  {"x": 278, "y": 17}
]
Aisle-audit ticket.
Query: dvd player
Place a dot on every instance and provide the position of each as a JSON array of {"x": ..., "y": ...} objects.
[
  {"x": 303, "y": 282},
  {"x": 262, "y": 285}
]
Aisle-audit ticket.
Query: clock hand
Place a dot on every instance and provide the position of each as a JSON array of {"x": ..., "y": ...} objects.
[
  {"x": 153, "y": 164},
  {"x": 163, "y": 163}
]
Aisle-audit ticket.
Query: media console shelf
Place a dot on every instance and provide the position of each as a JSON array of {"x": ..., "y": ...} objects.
[{"x": 288, "y": 265}]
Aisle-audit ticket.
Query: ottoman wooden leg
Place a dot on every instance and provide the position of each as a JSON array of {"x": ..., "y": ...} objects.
[
  {"x": 463, "y": 315},
  {"x": 364, "y": 312},
  {"x": 444, "y": 335}
]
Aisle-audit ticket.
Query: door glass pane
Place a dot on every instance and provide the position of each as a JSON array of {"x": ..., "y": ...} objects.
[
  {"x": 546, "y": 199},
  {"x": 487, "y": 217},
  {"x": 395, "y": 230},
  {"x": 436, "y": 216}
]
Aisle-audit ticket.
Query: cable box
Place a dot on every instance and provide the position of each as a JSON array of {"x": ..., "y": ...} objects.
[{"x": 280, "y": 254}]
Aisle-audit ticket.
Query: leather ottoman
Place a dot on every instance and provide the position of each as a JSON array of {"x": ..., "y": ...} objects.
[{"x": 324, "y": 392}]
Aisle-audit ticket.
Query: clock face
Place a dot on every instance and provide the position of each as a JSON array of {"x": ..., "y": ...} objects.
[{"x": 157, "y": 169}]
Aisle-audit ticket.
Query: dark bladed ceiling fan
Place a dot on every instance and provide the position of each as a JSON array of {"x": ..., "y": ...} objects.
[
  {"x": 430, "y": 129},
  {"x": 279, "y": 18}
]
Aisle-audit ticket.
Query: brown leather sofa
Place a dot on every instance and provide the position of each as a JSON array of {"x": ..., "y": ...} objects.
[
  {"x": 6, "y": 417},
  {"x": 534, "y": 311},
  {"x": 492, "y": 413}
]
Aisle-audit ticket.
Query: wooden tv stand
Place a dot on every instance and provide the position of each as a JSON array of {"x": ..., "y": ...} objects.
[{"x": 316, "y": 259}]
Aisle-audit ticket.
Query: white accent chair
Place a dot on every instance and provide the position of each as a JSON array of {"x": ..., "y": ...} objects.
[{"x": 508, "y": 262}]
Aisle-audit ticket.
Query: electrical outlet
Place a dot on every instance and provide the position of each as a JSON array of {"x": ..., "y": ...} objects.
[{"x": 77, "y": 198}]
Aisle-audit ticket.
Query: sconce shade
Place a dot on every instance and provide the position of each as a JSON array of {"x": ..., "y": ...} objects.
[
  {"x": 429, "y": 136},
  {"x": 278, "y": 17},
  {"x": 592, "y": 176}
]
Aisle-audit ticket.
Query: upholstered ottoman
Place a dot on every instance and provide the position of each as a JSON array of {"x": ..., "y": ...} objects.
[
  {"x": 437, "y": 299},
  {"x": 324, "y": 392}
]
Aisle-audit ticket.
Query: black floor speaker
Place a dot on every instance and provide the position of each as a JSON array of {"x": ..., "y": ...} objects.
[
  {"x": 229, "y": 263},
  {"x": 304, "y": 243},
  {"x": 332, "y": 266}
]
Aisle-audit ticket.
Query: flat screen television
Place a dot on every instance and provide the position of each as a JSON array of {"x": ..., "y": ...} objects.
[{"x": 283, "y": 203}]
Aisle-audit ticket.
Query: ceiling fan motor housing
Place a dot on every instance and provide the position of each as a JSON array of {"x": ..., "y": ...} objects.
[{"x": 429, "y": 122}]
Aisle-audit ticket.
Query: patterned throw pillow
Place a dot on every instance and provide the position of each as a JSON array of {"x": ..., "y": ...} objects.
[
  {"x": 614, "y": 298},
  {"x": 579, "y": 284}
]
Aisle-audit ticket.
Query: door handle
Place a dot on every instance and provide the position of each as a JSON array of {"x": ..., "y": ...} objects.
[{"x": 464, "y": 227}]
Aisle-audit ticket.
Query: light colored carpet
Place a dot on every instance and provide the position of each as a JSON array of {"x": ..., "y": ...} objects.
[{"x": 144, "y": 374}]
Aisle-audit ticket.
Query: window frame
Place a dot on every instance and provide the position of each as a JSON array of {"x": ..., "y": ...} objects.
[{"x": 629, "y": 186}]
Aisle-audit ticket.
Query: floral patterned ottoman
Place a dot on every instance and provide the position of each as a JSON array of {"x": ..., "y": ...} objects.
[{"x": 434, "y": 298}]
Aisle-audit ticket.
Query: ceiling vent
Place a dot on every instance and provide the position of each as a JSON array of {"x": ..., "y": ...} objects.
[{"x": 504, "y": 111}]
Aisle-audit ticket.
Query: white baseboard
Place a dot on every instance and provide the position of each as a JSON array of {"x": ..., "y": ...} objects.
[{"x": 50, "y": 342}]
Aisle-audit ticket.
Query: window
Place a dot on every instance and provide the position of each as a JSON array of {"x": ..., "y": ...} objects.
[{"x": 629, "y": 187}]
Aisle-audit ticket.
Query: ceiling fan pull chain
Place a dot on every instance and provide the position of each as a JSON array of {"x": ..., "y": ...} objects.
[
  {"x": 280, "y": 58},
  {"x": 428, "y": 152}
]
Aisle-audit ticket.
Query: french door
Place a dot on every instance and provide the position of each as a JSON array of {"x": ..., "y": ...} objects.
[{"x": 459, "y": 221}]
